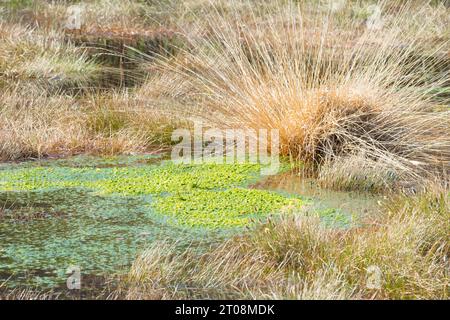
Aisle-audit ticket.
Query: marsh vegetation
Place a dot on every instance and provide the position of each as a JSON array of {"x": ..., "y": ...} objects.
[{"x": 358, "y": 91}]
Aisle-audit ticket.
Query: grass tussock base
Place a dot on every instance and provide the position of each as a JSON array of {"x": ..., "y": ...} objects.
[{"x": 402, "y": 254}]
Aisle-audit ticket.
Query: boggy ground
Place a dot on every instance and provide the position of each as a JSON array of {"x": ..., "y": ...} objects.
[
  {"x": 359, "y": 91},
  {"x": 99, "y": 213}
]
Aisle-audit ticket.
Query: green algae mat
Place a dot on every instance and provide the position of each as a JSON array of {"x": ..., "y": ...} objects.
[{"x": 99, "y": 213}]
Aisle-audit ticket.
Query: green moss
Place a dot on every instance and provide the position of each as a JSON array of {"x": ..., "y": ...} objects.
[
  {"x": 176, "y": 178},
  {"x": 85, "y": 161},
  {"x": 210, "y": 189},
  {"x": 101, "y": 234},
  {"x": 99, "y": 213},
  {"x": 139, "y": 180},
  {"x": 230, "y": 208}
]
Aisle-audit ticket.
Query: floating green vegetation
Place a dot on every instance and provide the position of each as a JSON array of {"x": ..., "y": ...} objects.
[
  {"x": 100, "y": 234},
  {"x": 232, "y": 207},
  {"x": 127, "y": 180},
  {"x": 90, "y": 161},
  {"x": 99, "y": 213},
  {"x": 208, "y": 203}
]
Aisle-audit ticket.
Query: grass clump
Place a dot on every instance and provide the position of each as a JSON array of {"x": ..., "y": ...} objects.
[
  {"x": 30, "y": 56},
  {"x": 109, "y": 114},
  {"x": 34, "y": 125},
  {"x": 403, "y": 254},
  {"x": 333, "y": 85}
]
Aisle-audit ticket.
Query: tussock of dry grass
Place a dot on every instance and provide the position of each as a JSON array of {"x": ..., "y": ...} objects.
[
  {"x": 42, "y": 59},
  {"x": 331, "y": 85},
  {"x": 298, "y": 258},
  {"x": 28, "y": 131},
  {"x": 26, "y": 294},
  {"x": 39, "y": 117},
  {"x": 154, "y": 121},
  {"x": 113, "y": 15},
  {"x": 33, "y": 125}
]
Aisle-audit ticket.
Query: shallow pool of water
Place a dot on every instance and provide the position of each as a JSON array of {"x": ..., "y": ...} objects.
[
  {"x": 357, "y": 204},
  {"x": 98, "y": 214}
]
